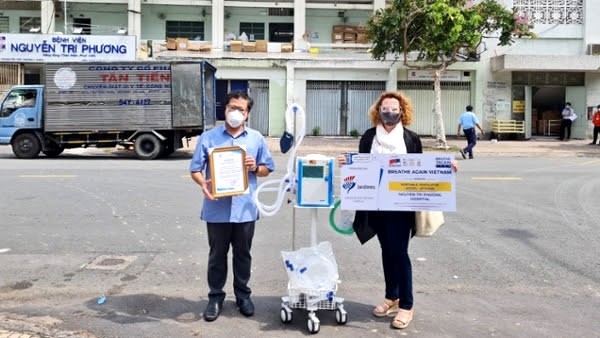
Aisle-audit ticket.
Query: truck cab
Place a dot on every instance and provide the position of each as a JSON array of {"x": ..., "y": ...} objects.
[{"x": 21, "y": 118}]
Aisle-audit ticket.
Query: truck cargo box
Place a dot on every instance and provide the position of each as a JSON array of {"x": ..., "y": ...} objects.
[{"x": 129, "y": 96}]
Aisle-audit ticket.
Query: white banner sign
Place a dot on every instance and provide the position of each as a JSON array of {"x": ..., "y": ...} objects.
[
  {"x": 66, "y": 48},
  {"x": 448, "y": 75},
  {"x": 409, "y": 182}
]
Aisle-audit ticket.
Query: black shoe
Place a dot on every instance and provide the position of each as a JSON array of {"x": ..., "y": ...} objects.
[
  {"x": 463, "y": 154},
  {"x": 592, "y": 144},
  {"x": 471, "y": 157},
  {"x": 246, "y": 306},
  {"x": 213, "y": 310}
]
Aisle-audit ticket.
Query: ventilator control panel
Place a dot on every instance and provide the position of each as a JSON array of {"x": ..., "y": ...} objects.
[{"x": 315, "y": 181}]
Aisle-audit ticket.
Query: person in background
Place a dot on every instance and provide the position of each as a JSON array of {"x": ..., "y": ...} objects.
[
  {"x": 467, "y": 122},
  {"x": 596, "y": 122},
  {"x": 390, "y": 114},
  {"x": 230, "y": 220},
  {"x": 29, "y": 100},
  {"x": 566, "y": 122}
]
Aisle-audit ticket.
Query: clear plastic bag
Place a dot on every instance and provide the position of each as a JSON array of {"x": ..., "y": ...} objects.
[{"x": 311, "y": 267}]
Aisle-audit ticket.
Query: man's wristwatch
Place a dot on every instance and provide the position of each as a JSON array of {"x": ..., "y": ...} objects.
[{"x": 255, "y": 171}]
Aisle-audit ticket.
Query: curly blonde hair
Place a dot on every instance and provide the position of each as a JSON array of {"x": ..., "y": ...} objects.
[{"x": 406, "y": 114}]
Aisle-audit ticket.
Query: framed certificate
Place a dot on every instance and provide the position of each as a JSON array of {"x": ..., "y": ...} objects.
[{"x": 228, "y": 172}]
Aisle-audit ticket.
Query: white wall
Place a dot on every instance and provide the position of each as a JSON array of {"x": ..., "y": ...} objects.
[
  {"x": 13, "y": 21},
  {"x": 543, "y": 47},
  {"x": 592, "y": 23},
  {"x": 153, "y": 27},
  {"x": 105, "y": 19},
  {"x": 592, "y": 84}
]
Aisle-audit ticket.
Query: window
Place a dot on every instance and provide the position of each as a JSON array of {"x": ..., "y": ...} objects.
[
  {"x": 281, "y": 32},
  {"x": 18, "y": 99},
  {"x": 193, "y": 30},
  {"x": 254, "y": 30},
  {"x": 281, "y": 11},
  {"x": 26, "y": 24},
  {"x": 551, "y": 12},
  {"x": 82, "y": 26},
  {"x": 4, "y": 27}
]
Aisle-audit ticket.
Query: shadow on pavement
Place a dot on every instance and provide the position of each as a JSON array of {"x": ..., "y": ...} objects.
[{"x": 140, "y": 308}]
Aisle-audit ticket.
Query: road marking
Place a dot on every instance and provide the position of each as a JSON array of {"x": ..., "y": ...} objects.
[
  {"x": 47, "y": 176},
  {"x": 497, "y": 178},
  {"x": 4, "y": 250}
]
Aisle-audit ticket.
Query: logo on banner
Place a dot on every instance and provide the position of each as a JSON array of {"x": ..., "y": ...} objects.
[
  {"x": 2, "y": 43},
  {"x": 443, "y": 162},
  {"x": 395, "y": 162},
  {"x": 349, "y": 183}
]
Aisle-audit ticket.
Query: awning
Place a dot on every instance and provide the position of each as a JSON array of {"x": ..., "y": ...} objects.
[{"x": 557, "y": 63}]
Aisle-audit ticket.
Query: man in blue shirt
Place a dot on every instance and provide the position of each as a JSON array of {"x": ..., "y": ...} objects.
[
  {"x": 467, "y": 122},
  {"x": 230, "y": 220},
  {"x": 566, "y": 122}
]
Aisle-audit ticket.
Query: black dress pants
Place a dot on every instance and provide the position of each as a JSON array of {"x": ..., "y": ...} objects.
[
  {"x": 595, "y": 133},
  {"x": 565, "y": 129},
  {"x": 394, "y": 232},
  {"x": 220, "y": 237}
]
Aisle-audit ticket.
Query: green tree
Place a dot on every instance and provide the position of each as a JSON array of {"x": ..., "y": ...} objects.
[{"x": 433, "y": 34}]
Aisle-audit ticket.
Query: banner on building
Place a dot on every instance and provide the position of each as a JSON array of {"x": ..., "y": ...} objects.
[
  {"x": 66, "y": 48},
  {"x": 427, "y": 75}
]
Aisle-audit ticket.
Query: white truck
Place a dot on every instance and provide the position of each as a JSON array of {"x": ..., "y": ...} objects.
[{"x": 150, "y": 106}]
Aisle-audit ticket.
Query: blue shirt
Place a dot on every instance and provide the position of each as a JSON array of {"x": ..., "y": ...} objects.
[
  {"x": 234, "y": 209},
  {"x": 468, "y": 120}
]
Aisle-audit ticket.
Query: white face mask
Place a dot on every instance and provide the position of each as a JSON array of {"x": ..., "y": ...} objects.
[{"x": 235, "y": 118}]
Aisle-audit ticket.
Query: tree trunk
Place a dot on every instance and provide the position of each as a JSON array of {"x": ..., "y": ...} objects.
[{"x": 440, "y": 133}]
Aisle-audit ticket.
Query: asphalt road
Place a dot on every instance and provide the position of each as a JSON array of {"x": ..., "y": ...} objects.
[{"x": 518, "y": 259}]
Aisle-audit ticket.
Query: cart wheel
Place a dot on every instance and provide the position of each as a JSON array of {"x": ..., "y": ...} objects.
[
  {"x": 313, "y": 325},
  {"x": 341, "y": 317},
  {"x": 286, "y": 315}
]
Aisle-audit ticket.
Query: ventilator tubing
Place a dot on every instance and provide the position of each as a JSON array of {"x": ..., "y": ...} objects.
[{"x": 295, "y": 123}]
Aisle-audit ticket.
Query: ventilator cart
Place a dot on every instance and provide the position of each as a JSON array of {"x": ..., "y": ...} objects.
[{"x": 312, "y": 271}]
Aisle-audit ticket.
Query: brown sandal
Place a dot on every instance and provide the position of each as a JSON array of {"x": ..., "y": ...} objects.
[
  {"x": 389, "y": 307},
  {"x": 403, "y": 318}
]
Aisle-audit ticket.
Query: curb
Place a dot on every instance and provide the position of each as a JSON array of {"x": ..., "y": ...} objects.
[{"x": 535, "y": 147}]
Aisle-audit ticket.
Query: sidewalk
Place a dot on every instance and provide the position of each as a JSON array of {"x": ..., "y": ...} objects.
[{"x": 534, "y": 147}]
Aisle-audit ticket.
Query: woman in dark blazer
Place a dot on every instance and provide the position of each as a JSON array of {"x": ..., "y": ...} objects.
[{"x": 389, "y": 114}]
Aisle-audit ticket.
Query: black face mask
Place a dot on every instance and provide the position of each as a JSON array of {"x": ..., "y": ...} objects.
[{"x": 389, "y": 119}]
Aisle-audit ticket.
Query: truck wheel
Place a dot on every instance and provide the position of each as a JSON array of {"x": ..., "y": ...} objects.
[
  {"x": 53, "y": 151},
  {"x": 26, "y": 145},
  {"x": 148, "y": 147}
]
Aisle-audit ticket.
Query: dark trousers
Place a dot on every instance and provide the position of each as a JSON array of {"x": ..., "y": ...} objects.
[
  {"x": 471, "y": 140},
  {"x": 220, "y": 237},
  {"x": 595, "y": 133},
  {"x": 565, "y": 129},
  {"x": 393, "y": 232}
]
